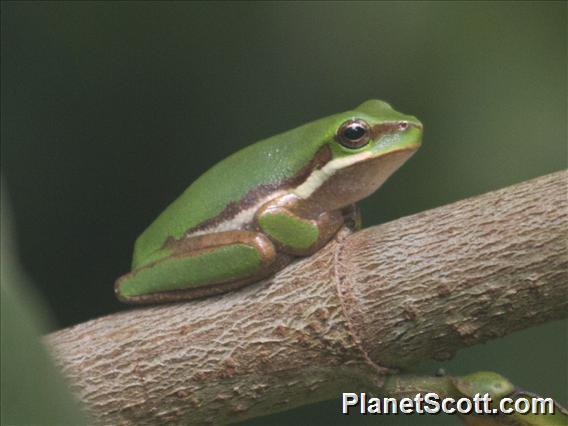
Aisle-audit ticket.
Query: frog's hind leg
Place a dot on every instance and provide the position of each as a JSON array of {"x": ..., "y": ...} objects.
[{"x": 202, "y": 266}]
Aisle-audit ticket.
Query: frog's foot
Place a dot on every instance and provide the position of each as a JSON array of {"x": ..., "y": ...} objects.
[
  {"x": 203, "y": 266},
  {"x": 294, "y": 233},
  {"x": 352, "y": 217}
]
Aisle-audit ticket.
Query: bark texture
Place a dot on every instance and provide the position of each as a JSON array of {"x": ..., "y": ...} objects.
[{"x": 383, "y": 298}]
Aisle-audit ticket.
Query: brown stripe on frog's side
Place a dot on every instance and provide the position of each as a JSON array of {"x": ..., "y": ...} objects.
[{"x": 255, "y": 195}]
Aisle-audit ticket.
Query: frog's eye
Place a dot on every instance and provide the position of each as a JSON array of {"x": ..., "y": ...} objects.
[{"x": 354, "y": 134}]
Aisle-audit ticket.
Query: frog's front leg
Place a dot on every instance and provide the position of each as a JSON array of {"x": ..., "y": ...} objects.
[
  {"x": 296, "y": 227},
  {"x": 202, "y": 266}
]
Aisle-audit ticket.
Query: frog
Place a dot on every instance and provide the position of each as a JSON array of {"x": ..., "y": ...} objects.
[{"x": 273, "y": 202}]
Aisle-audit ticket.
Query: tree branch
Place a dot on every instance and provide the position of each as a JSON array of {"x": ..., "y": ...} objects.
[{"x": 383, "y": 298}]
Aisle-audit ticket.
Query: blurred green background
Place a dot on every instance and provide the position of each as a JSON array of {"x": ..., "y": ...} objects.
[{"x": 109, "y": 110}]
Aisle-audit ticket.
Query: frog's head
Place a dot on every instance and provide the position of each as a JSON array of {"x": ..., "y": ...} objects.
[{"x": 365, "y": 146}]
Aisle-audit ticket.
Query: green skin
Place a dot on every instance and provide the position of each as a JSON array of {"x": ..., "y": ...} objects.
[{"x": 254, "y": 212}]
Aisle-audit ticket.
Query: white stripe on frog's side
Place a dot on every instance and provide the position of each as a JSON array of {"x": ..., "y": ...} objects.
[
  {"x": 318, "y": 177},
  {"x": 239, "y": 221}
]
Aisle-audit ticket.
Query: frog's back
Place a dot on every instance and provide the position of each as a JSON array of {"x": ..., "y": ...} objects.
[{"x": 268, "y": 162}]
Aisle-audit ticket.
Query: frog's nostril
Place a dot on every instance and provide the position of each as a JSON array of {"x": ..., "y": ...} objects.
[{"x": 402, "y": 125}]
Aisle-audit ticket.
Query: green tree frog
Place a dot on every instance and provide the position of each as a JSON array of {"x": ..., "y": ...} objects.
[{"x": 254, "y": 212}]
